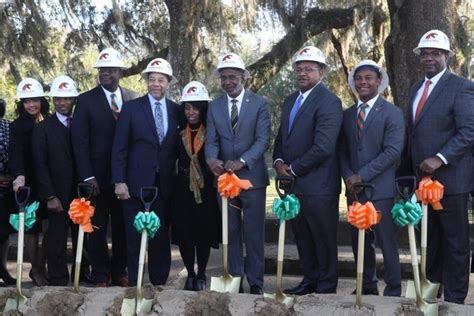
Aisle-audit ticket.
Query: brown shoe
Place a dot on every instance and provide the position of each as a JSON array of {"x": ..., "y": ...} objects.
[
  {"x": 101, "y": 284},
  {"x": 120, "y": 281}
]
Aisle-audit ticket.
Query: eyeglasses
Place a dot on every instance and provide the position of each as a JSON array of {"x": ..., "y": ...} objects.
[
  {"x": 306, "y": 70},
  {"x": 432, "y": 54},
  {"x": 231, "y": 78}
]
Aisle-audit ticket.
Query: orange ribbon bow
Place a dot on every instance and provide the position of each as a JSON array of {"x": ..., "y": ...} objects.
[
  {"x": 229, "y": 185},
  {"x": 430, "y": 192},
  {"x": 80, "y": 212},
  {"x": 363, "y": 216}
]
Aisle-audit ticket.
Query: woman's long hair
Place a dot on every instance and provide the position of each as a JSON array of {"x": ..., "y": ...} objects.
[
  {"x": 200, "y": 105},
  {"x": 21, "y": 112}
]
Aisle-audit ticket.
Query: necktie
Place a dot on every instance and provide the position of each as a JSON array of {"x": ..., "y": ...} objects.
[
  {"x": 68, "y": 121},
  {"x": 422, "y": 102},
  {"x": 234, "y": 115},
  {"x": 294, "y": 110},
  {"x": 114, "y": 105},
  {"x": 159, "y": 122},
  {"x": 361, "y": 119}
]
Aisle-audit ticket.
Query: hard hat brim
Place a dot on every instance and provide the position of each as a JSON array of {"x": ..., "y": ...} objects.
[
  {"x": 217, "y": 74},
  {"x": 417, "y": 50}
]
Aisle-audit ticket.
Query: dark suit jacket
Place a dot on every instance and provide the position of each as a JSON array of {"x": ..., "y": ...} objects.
[
  {"x": 93, "y": 129},
  {"x": 376, "y": 155},
  {"x": 446, "y": 126},
  {"x": 136, "y": 149},
  {"x": 20, "y": 156},
  {"x": 310, "y": 146},
  {"x": 251, "y": 140},
  {"x": 54, "y": 161}
]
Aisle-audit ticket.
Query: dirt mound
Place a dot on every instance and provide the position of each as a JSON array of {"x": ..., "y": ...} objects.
[
  {"x": 61, "y": 302},
  {"x": 209, "y": 304}
]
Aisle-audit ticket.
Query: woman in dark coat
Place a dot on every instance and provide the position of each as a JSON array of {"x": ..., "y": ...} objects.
[
  {"x": 31, "y": 109},
  {"x": 195, "y": 219}
]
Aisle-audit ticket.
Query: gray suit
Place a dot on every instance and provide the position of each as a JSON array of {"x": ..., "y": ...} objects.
[
  {"x": 375, "y": 157},
  {"x": 446, "y": 126},
  {"x": 249, "y": 143}
]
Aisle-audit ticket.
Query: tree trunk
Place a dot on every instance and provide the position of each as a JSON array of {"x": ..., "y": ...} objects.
[{"x": 410, "y": 19}]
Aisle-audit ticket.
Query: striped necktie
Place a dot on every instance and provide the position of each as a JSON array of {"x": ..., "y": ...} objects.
[
  {"x": 234, "y": 115},
  {"x": 114, "y": 105},
  {"x": 361, "y": 119}
]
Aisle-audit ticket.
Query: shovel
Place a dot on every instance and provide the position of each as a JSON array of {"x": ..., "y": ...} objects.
[
  {"x": 361, "y": 245},
  {"x": 428, "y": 290},
  {"x": 89, "y": 189},
  {"x": 21, "y": 197},
  {"x": 279, "y": 295},
  {"x": 225, "y": 283},
  {"x": 132, "y": 306}
]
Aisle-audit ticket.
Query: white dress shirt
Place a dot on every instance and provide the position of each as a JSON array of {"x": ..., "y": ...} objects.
[
  {"x": 118, "y": 97},
  {"x": 239, "y": 99}
]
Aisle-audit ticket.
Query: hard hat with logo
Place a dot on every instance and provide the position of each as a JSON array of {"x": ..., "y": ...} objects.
[
  {"x": 231, "y": 60},
  {"x": 109, "y": 57},
  {"x": 434, "y": 39},
  {"x": 161, "y": 66},
  {"x": 369, "y": 64},
  {"x": 29, "y": 88},
  {"x": 194, "y": 91},
  {"x": 63, "y": 86},
  {"x": 310, "y": 53}
]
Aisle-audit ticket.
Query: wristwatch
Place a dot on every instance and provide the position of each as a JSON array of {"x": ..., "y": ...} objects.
[{"x": 243, "y": 161}]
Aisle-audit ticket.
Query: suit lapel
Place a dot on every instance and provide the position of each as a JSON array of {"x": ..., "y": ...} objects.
[
  {"x": 104, "y": 102},
  {"x": 172, "y": 120},
  {"x": 286, "y": 113},
  {"x": 352, "y": 114},
  {"x": 61, "y": 132},
  {"x": 433, "y": 95},
  {"x": 146, "y": 108},
  {"x": 306, "y": 103},
  {"x": 223, "y": 108},
  {"x": 244, "y": 108},
  {"x": 373, "y": 114}
]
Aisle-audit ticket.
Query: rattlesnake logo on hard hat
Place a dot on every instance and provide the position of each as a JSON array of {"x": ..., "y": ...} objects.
[
  {"x": 304, "y": 51},
  {"x": 432, "y": 35},
  {"x": 156, "y": 63},
  {"x": 191, "y": 90},
  {"x": 63, "y": 85},
  {"x": 227, "y": 57},
  {"x": 104, "y": 56},
  {"x": 26, "y": 87}
]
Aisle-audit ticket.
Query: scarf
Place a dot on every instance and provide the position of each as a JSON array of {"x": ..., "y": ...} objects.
[{"x": 196, "y": 179}]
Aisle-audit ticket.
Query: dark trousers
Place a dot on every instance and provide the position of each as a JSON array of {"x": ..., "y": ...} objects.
[
  {"x": 58, "y": 229},
  {"x": 315, "y": 230},
  {"x": 247, "y": 225},
  {"x": 384, "y": 234},
  {"x": 159, "y": 250},
  {"x": 448, "y": 247},
  {"x": 103, "y": 267}
]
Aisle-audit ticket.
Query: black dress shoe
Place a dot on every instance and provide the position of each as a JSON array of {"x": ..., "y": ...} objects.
[
  {"x": 368, "y": 292},
  {"x": 255, "y": 289},
  {"x": 301, "y": 289},
  {"x": 199, "y": 284},
  {"x": 189, "y": 285}
]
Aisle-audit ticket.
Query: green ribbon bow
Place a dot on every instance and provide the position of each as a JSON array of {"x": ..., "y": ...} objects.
[
  {"x": 286, "y": 209},
  {"x": 30, "y": 217},
  {"x": 409, "y": 212},
  {"x": 147, "y": 220}
]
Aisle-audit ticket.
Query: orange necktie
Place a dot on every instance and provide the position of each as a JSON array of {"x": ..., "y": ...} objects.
[{"x": 424, "y": 96}]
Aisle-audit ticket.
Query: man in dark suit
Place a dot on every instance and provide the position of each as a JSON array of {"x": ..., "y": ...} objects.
[
  {"x": 372, "y": 139},
  {"x": 237, "y": 136},
  {"x": 440, "y": 119},
  {"x": 56, "y": 176},
  {"x": 144, "y": 154},
  {"x": 92, "y": 135},
  {"x": 305, "y": 148}
]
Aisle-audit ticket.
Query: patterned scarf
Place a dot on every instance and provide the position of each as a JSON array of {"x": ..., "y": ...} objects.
[{"x": 196, "y": 179}]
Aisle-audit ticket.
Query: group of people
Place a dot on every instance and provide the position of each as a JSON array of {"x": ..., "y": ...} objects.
[{"x": 119, "y": 142}]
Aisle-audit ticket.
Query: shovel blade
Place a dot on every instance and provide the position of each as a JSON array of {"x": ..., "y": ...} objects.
[
  {"x": 429, "y": 290},
  {"x": 144, "y": 306},
  {"x": 14, "y": 303},
  {"x": 128, "y": 307},
  {"x": 225, "y": 284},
  {"x": 429, "y": 309},
  {"x": 282, "y": 298}
]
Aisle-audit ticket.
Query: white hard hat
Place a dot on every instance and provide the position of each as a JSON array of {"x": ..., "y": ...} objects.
[
  {"x": 310, "y": 53},
  {"x": 231, "y": 60},
  {"x": 29, "y": 88},
  {"x": 109, "y": 57},
  {"x": 161, "y": 66},
  {"x": 372, "y": 65},
  {"x": 434, "y": 39},
  {"x": 63, "y": 86},
  {"x": 194, "y": 91}
]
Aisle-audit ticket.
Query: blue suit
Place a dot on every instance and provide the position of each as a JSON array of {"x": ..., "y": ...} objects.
[
  {"x": 375, "y": 157},
  {"x": 137, "y": 157},
  {"x": 310, "y": 148},
  {"x": 446, "y": 126},
  {"x": 251, "y": 140}
]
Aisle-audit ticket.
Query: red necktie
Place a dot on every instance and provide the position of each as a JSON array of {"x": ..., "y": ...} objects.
[{"x": 422, "y": 102}]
